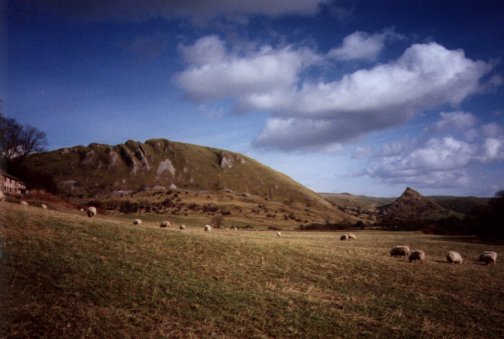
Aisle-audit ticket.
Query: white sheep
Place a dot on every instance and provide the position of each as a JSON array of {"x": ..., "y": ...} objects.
[
  {"x": 454, "y": 257},
  {"x": 165, "y": 223},
  {"x": 23, "y": 202},
  {"x": 91, "y": 211},
  {"x": 351, "y": 236},
  {"x": 182, "y": 227},
  {"x": 279, "y": 234},
  {"x": 44, "y": 206},
  {"x": 208, "y": 228},
  {"x": 417, "y": 255},
  {"x": 344, "y": 237},
  {"x": 137, "y": 222},
  {"x": 488, "y": 257},
  {"x": 400, "y": 251}
]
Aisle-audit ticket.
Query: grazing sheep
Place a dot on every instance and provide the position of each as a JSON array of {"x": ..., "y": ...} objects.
[
  {"x": 165, "y": 223},
  {"x": 351, "y": 236},
  {"x": 454, "y": 257},
  {"x": 24, "y": 203},
  {"x": 44, "y": 206},
  {"x": 417, "y": 255},
  {"x": 344, "y": 237},
  {"x": 182, "y": 227},
  {"x": 137, "y": 222},
  {"x": 91, "y": 211},
  {"x": 400, "y": 251},
  {"x": 208, "y": 228},
  {"x": 488, "y": 257},
  {"x": 279, "y": 234}
]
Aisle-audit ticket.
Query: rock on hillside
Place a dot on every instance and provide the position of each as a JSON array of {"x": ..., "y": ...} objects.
[
  {"x": 101, "y": 171},
  {"x": 412, "y": 204}
]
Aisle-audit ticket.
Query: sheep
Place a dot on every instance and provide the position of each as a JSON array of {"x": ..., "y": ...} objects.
[
  {"x": 279, "y": 234},
  {"x": 454, "y": 257},
  {"x": 44, "y": 206},
  {"x": 351, "y": 236},
  {"x": 235, "y": 228},
  {"x": 137, "y": 222},
  {"x": 23, "y": 202},
  {"x": 91, "y": 211},
  {"x": 344, "y": 237},
  {"x": 400, "y": 251},
  {"x": 165, "y": 223},
  {"x": 182, "y": 227},
  {"x": 488, "y": 257},
  {"x": 208, "y": 228},
  {"x": 417, "y": 255}
]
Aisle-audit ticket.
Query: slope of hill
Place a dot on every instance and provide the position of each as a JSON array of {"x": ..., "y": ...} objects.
[
  {"x": 412, "y": 204},
  {"x": 461, "y": 204},
  {"x": 356, "y": 201},
  {"x": 137, "y": 175}
]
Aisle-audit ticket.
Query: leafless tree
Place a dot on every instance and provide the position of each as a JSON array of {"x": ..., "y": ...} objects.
[{"x": 18, "y": 141}]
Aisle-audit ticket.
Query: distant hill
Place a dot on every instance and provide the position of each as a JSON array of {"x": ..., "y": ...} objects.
[
  {"x": 139, "y": 173},
  {"x": 461, "y": 204},
  {"x": 356, "y": 201},
  {"x": 413, "y": 205}
]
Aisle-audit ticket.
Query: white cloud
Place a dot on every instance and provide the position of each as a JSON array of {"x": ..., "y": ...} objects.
[
  {"x": 199, "y": 11},
  {"x": 310, "y": 113},
  {"x": 361, "y": 45},
  {"x": 425, "y": 76},
  {"x": 493, "y": 149},
  {"x": 214, "y": 73},
  {"x": 460, "y": 120},
  {"x": 436, "y": 158}
]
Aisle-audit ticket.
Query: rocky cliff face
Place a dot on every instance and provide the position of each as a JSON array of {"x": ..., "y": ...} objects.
[{"x": 101, "y": 170}]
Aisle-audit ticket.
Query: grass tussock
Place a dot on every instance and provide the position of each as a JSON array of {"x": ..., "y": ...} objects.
[{"x": 65, "y": 275}]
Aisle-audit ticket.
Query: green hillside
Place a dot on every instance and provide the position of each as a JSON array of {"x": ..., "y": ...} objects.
[{"x": 143, "y": 173}]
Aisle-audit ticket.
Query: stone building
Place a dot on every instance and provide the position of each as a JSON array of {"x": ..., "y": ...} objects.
[{"x": 11, "y": 185}]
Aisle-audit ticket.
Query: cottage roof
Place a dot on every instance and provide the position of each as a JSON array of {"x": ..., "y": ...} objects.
[{"x": 5, "y": 174}]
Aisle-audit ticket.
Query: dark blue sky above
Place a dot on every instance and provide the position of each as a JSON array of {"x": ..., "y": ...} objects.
[{"x": 379, "y": 94}]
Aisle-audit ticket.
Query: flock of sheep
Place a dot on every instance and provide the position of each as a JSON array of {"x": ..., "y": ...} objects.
[{"x": 487, "y": 257}]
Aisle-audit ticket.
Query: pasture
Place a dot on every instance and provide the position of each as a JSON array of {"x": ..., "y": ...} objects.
[{"x": 65, "y": 275}]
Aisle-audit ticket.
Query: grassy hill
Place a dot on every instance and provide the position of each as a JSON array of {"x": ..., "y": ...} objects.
[
  {"x": 356, "y": 201},
  {"x": 177, "y": 179},
  {"x": 64, "y": 275},
  {"x": 413, "y": 205}
]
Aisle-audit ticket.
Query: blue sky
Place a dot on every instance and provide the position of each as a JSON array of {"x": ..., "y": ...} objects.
[{"x": 366, "y": 97}]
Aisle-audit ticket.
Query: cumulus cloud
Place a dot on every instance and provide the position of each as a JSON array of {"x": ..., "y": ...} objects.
[
  {"x": 199, "y": 11},
  {"x": 361, "y": 45},
  {"x": 311, "y": 113},
  {"x": 425, "y": 76},
  {"x": 437, "y": 158},
  {"x": 214, "y": 73}
]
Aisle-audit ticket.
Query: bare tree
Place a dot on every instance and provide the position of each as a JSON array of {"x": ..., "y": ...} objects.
[{"x": 17, "y": 141}]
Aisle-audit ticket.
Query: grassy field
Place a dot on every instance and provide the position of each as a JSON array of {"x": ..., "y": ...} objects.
[{"x": 64, "y": 275}]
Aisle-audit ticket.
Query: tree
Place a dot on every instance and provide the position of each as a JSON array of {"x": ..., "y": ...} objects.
[
  {"x": 491, "y": 220},
  {"x": 18, "y": 141}
]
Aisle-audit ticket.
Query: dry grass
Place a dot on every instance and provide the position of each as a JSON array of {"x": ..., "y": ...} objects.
[{"x": 65, "y": 275}]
